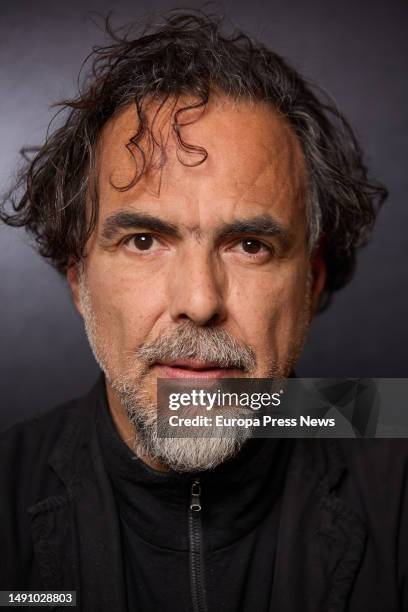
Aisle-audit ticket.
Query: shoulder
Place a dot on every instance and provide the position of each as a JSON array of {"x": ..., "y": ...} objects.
[
  {"x": 371, "y": 473},
  {"x": 26, "y": 448},
  {"x": 376, "y": 482},
  {"x": 36, "y": 431},
  {"x": 35, "y": 437},
  {"x": 370, "y": 459}
]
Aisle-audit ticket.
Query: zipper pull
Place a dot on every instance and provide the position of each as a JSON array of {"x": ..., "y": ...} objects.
[{"x": 195, "y": 505}]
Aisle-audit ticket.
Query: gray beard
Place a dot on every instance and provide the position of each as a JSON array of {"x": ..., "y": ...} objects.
[
  {"x": 190, "y": 454},
  {"x": 181, "y": 454}
]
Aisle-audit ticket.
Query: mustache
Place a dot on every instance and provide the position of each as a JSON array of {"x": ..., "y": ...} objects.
[{"x": 202, "y": 344}]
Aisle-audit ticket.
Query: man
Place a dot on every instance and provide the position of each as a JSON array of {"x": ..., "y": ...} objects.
[{"x": 204, "y": 204}]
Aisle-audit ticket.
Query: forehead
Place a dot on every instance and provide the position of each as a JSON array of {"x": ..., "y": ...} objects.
[{"x": 254, "y": 162}]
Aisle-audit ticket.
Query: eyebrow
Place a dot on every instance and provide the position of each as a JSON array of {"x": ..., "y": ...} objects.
[
  {"x": 260, "y": 225},
  {"x": 132, "y": 220}
]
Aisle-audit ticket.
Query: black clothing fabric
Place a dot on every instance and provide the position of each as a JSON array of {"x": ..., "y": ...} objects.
[
  {"x": 240, "y": 513},
  {"x": 340, "y": 545}
]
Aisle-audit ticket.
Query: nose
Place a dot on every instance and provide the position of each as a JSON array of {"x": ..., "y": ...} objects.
[{"x": 197, "y": 290}]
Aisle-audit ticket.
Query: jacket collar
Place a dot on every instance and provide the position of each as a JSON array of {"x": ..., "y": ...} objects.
[
  {"x": 77, "y": 540},
  {"x": 321, "y": 538},
  {"x": 76, "y": 536}
]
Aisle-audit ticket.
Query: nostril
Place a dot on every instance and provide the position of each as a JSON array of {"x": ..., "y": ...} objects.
[
  {"x": 211, "y": 322},
  {"x": 215, "y": 319}
]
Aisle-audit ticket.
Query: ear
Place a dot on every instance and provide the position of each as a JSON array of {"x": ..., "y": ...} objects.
[
  {"x": 73, "y": 281},
  {"x": 319, "y": 271}
]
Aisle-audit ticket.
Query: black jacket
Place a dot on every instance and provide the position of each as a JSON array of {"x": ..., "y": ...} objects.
[{"x": 343, "y": 533}]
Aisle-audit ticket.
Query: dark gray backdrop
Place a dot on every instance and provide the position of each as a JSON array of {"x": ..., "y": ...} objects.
[{"x": 356, "y": 50}]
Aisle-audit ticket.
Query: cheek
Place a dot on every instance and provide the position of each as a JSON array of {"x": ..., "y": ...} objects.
[
  {"x": 126, "y": 307},
  {"x": 269, "y": 312}
]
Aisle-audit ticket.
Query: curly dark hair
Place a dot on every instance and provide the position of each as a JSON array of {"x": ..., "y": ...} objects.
[{"x": 189, "y": 53}]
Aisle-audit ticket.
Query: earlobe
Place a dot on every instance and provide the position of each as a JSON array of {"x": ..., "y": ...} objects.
[
  {"x": 73, "y": 281},
  {"x": 318, "y": 278}
]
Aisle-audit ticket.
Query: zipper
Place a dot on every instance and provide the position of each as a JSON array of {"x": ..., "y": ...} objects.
[{"x": 196, "y": 551}]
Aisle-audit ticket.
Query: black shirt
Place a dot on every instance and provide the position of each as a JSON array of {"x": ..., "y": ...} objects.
[
  {"x": 343, "y": 529},
  {"x": 236, "y": 527}
]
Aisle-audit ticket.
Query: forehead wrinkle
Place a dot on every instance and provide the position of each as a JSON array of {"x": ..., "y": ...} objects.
[{"x": 286, "y": 164}]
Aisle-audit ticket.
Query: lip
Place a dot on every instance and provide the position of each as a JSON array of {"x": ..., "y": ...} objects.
[{"x": 188, "y": 368}]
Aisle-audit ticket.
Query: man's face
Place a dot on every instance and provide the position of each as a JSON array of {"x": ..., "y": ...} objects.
[{"x": 215, "y": 247}]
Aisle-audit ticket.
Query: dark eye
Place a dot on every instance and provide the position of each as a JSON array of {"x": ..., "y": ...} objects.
[
  {"x": 251, "y": 246},
  {"x": 252, "y": 249},
  {"x": 141, "y": 242}
]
